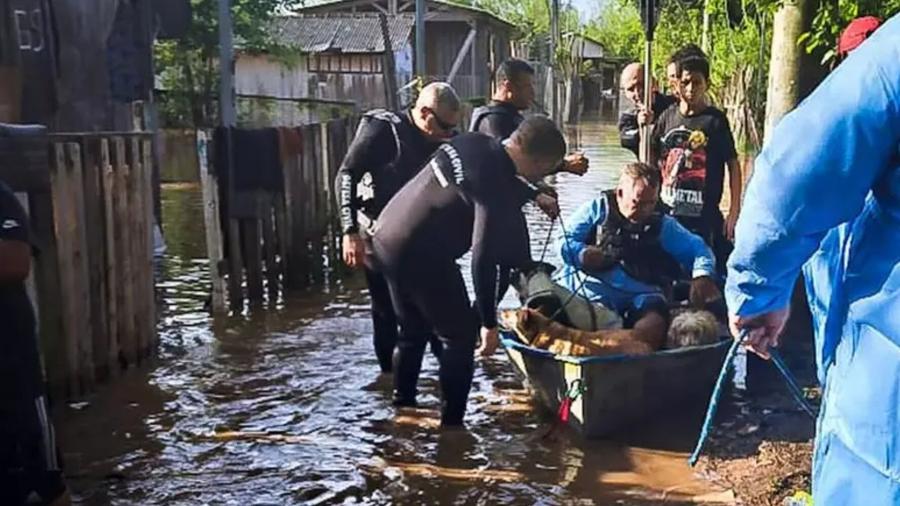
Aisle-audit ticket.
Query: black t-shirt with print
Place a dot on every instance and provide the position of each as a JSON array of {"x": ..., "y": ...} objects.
[{"x": 692, "y": 152}]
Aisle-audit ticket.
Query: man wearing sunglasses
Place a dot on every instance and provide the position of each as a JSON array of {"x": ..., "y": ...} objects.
[{"x": 389, "y": 148}]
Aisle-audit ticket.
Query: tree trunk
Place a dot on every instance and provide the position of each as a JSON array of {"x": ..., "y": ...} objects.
[{"x": 791, "y": 20}]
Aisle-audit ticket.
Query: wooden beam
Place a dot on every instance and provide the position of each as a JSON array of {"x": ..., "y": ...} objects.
[
  {"x": 211, "y": 217},
  {"x": 461, "y": 55}
]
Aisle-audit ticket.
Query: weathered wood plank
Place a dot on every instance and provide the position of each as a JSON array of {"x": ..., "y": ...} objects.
[
  {"x": 250, "y": 238},
  {"x": 111, "y": 266},
  {"x": 125, "y": 238},
  {"x": 59, "y": 180},
  {"x": 270, "y": 247},
  {"x": 213, "y": 225},
  {"x": 149, "y": 223},
  {"x": 80, "y": 265},
  {"x": 139, "y": 233},
  {"x": 96, "y": 237},
  {"x": 235, "y": 266}
]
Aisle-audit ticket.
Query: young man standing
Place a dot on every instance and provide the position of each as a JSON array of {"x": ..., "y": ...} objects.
[
  {"x": 465, "y": 199},
  {"x": 389, "y": 147},
  {"x": 692, "y": 145},
  {"x": 29, "y": 467},
  {"x": 503, "y": 114}
]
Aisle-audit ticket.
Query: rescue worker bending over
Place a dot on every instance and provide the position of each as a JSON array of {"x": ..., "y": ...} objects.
[
  {"x": 389, "y": 147},
  {"x": 466, "y": 198},
  {"x": 624, "y": 251}
]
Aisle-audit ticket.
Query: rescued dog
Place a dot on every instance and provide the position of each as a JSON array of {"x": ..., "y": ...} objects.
[
  {"x": 536, "y": 330},
  {"x": 693, "y": 327}
]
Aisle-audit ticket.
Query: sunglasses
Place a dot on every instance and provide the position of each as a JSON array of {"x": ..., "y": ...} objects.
[{"x": 445, "y": 125}]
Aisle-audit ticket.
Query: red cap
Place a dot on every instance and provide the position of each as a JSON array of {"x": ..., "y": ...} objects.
[{"x": 856, "y": 33}]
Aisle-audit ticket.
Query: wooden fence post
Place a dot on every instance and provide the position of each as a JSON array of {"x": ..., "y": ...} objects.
[
  {"x": 124, "y": 240},
  {"x": 113, "y": 288},
  {"x": 212, "y": 222}
]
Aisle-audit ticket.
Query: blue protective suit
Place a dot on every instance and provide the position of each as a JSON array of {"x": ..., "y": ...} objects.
[
  {"x": 614, "y": 288},
  {"x": 825, "y": 196}
]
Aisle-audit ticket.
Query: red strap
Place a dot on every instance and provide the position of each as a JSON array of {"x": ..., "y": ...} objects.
[{"x": 565, "y": 407}]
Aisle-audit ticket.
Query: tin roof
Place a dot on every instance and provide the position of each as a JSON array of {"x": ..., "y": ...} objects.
[{"x": 339, "y": 32}]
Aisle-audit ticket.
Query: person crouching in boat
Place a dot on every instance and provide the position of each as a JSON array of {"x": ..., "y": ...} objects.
[{"x": 620, "y": 251}]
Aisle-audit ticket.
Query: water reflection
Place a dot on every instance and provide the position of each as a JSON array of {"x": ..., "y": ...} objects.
[{"x": 287, "y": 407}]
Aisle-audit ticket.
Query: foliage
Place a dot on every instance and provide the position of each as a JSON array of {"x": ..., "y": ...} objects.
[
  {"x": 833, "y": 15},
  {"x": 188, "y": 68},
  {"x": 739, "y": 37}
]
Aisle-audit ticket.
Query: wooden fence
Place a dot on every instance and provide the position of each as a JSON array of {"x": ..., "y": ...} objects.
[
  {"x": 89, "y": 197},
  {"x": 263, "y": 241}
]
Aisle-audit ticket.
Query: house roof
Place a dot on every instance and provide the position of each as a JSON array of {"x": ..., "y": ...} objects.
[
  {"x": 434, "y": 4},
  {"x": 339, "y": 32}
]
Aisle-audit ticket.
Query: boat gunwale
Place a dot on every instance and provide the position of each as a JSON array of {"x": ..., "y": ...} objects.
[{"x": 510, "y": 341}]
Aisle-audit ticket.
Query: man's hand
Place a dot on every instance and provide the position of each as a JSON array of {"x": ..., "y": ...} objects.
[
  {"x": 644, "y": 116},
  {"x": 576, "y": 163},
  {"x": 704, "y": 291},
  {"x": 765, "y": 329},
  {"x": 597, "y": 259},
  {"x": 354, "y": 250},
  {"x": 548, "y": 204},
  {"x": 730, "y": 223},
  {"x": 490, "y": 340}
]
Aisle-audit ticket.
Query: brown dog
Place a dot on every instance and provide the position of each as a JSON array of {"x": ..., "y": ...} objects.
[{"x": 538, "y": 331}]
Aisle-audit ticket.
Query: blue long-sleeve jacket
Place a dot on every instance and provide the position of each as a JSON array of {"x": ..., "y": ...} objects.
[
  {"x": 685, "y": 247},
  {"x": 825, "y": 197}
]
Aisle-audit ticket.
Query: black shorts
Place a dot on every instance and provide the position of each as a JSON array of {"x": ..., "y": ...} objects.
[{"x": 29, "y": 466}]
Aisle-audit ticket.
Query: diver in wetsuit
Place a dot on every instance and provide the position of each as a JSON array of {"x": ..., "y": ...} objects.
[
  {"x": 465, "y": 198},
  {"x": 391, "y": 148},
  {"x": 503, "y": 114}
]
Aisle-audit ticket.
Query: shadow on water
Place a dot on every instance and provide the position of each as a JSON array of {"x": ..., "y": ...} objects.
[{"x": 286, "y": 407}]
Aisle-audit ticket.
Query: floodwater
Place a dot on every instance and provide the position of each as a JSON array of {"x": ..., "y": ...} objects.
[{"x": 286, "y": 406}]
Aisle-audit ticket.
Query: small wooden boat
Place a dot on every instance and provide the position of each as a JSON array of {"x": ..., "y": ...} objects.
[{"x": 611, "y": 392}]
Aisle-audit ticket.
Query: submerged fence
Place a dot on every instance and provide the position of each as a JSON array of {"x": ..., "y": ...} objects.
[{"x": 89, "y": 199}]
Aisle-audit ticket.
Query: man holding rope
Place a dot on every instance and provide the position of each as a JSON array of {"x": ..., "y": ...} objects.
[{"x": 825, "y": 198}]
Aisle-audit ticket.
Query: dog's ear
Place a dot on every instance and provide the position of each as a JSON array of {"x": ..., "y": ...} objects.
[{"x": 524, "y": 316}]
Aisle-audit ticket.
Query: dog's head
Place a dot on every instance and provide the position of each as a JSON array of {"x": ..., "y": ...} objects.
[
  {"x": 693, "y": 328},
  {"x": 527, "y": 323}
]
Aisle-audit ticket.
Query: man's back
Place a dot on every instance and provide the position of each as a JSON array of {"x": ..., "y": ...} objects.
[{"x": 497, "y": 119}]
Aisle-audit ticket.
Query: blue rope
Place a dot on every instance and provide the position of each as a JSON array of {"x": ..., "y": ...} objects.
[
  {"x": 714, "y": 399},
  {"x": 792, "y": 385},
  {"x": 789, "y": 379}
]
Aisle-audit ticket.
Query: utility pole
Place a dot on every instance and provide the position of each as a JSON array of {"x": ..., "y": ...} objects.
[
  {"x": 649, "y": 14},
  {"x": 226, "y": 65},
  {"x": 421, "y": 10},
  {"x": 554, "y": 45}
]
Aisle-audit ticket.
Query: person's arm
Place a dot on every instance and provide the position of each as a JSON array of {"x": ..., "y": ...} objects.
[
  {"x": 736, "y": 187},
  {"x": 372, "y": 148},
  {"x": 573, "y": 241},
  {"x": 815, "y": 173},
  {"x": 687, "y": 248},
  {"x": 15, "y": 245}
]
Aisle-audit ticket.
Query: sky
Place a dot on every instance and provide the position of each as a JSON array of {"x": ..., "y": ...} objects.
[{"x": 586, "y": 8}]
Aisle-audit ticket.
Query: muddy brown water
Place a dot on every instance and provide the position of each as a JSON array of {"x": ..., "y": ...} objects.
[{"x": 286, "y": 406}]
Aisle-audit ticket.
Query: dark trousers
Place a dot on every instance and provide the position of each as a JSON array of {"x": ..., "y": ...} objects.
[
  {"x": 431, "y": 300},
  {"x": 384, "y": 321},
  {"x": 711, "y": 229}
]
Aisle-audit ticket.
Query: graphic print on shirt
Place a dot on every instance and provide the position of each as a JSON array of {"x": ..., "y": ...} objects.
[{"x": 683, "y": 169}]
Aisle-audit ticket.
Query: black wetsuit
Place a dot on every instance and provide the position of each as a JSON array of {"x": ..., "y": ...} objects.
[
  {"x": 391, "y": 149},
  {"x": 28, "y": 460},
  {"x": 464, "y": 199},
  {"x": 630, "y": 132},
  {"x": 497, "y": 119}
]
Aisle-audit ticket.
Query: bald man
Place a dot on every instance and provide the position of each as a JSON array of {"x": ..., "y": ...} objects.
[
  {"x": 391, "y": 148},
  {"x": 631, "y": 120}
]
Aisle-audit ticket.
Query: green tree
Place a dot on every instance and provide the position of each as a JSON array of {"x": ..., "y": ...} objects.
[
  {"x": 188, "y": 68},
  {"x": 832, "y": 17}
]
